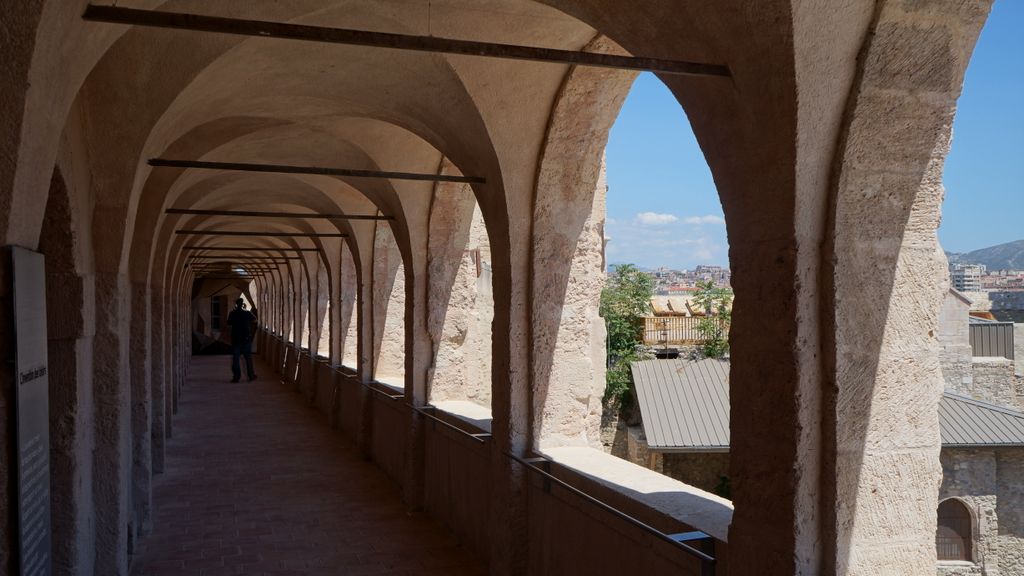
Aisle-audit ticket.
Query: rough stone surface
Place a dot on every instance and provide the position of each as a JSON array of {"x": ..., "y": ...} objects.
[
  {"x": 994, "y": 381},
  {"x": 349, "y": 329},
  {"x": 388, "y": 306},
  {"x": 987, "y": 481},
  {"x": 460, "y": 301},
  {"x": 955, "y": 340}
]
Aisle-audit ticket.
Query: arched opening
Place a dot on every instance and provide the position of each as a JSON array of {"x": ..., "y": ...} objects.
[
  {"x": 460, "y": 302},
  {"x": 666, "y": 395},
  {"x": 954, "y": 539}
]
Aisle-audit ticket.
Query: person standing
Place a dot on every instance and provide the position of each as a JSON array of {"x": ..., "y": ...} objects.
[{"x": 243, "y": 326}]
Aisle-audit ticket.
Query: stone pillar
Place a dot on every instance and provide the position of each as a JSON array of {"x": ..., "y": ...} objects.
[
  {"x": 367, "y": 338},
  {"x": 888, "y": 279},
  {"x": 142, "y": 404},
  {"x": 112, "y": 453},
  {"x": 157, "y": 335}
]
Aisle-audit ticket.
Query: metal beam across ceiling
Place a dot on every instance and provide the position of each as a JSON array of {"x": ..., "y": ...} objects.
[
  {"x": 318, "y": 170},
  {"x": 244, "y": 257},
  {"x": 262, "y": 234},
  {"x": 193, "y": 248},
  {"x": 251, "y": 214},
  {"x": 263, "y": 29}
]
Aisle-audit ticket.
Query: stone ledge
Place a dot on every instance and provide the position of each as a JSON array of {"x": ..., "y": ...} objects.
[
  {"x": 470, "y": 413},
  {"x": 692, "y": 506}
]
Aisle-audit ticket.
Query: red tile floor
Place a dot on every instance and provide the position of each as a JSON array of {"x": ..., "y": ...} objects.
[{"x": 256, "y": 482}]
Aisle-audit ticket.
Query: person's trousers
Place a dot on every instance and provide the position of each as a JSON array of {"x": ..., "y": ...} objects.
[{"x": 239, "y": 349}]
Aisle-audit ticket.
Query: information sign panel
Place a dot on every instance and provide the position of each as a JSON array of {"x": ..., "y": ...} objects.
[{"x": 32, "y": 412}]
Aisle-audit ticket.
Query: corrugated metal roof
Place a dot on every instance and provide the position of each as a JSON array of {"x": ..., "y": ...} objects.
[
  {"x": 685, "y": 406},
  {"x": 968, "y": 422}
]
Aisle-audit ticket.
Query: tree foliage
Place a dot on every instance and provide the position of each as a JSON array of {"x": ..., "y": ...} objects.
[
  {"x": 714, "y": 327},
  {"x": 626, "y": 298}
]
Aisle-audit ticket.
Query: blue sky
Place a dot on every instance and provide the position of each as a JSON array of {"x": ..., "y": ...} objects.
[{"x": 663, "y": 209}]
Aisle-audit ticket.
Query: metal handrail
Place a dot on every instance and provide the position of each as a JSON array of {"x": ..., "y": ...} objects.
[
  {"x": 423, "y": 410},
  {"x": 382, "y": 392},
  {"x": 678, "y": 540}
]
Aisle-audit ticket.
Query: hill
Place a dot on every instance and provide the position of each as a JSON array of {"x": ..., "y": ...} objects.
[{"x": 1002, "y": 256}]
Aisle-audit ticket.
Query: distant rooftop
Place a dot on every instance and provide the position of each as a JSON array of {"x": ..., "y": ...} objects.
[{"x": 685, "y": 407}]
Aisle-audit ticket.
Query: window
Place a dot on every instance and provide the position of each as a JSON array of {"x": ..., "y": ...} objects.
[
  {"x": 953, "y": 538},
  {"x": 215, "y": 311}
]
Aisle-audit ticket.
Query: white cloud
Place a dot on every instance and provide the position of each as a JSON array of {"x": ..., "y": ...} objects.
[
  {"x": 673, "y": 241},
  {"x": 655, "y": 219},
  {"x": 708, "y": 219}
]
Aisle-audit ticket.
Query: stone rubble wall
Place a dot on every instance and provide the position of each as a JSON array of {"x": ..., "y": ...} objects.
[
  {"x": 994, "y": 381},
  {"x": 955, "y": 342},
  {"x": 988, "y": 482}
]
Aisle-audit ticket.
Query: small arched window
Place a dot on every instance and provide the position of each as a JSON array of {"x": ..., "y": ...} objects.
[{"x": 953, "y": 538}]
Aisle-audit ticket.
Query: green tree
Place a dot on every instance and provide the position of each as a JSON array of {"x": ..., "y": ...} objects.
[
  {"x": 714, "y": 327},
  {"x": 626, "y": 298}
]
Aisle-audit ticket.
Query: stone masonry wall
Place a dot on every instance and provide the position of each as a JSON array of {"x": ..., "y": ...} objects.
[
  {"x": 955, "y": 342},
  {"x": 988, "y": 482},
  {"x": 994, "y": 382},
  {"x": 970, "y": 476},
  {"x": 1010, "y": 509},
  {"x": 463, "y": 361},
  {"x": 388, "y": 306},
  {"x": 704, "y": 470}
]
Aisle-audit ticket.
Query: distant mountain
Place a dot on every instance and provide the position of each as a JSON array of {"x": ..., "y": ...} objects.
[{"x": 1003, "y": 256}]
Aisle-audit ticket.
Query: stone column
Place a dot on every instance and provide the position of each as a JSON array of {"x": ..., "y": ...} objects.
[
  {"x": 141, "y": 407},
  {"x": 887, "y": 282},
  {"x": 158, "y": 342},
  {"x": 112, "y": 453}
]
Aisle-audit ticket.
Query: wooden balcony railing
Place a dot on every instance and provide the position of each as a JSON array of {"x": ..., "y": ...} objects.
[{"x": 672, "y": 330}]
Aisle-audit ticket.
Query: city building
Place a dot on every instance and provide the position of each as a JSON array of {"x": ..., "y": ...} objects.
[{"x": 966, "y": 277}]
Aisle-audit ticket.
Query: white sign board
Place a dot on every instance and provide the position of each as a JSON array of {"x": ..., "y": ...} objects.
[{"x": 32, "y": 412}]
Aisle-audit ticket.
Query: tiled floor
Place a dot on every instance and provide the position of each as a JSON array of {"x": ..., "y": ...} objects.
[{"x": 257, "y": 483}]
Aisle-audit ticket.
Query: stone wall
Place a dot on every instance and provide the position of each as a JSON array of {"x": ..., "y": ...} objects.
[
  {"x": 1010, "y": 509},
  {"x": 462, "y": 368},
  {"x": 955, "y": 342},
  {"x": 705, "y": 470},
  {"x": 987, "y": 481},
  {"x": 994, "y": 382},
  {"x": 388, "y": 306},
  {"x": 349, "y": 329}
]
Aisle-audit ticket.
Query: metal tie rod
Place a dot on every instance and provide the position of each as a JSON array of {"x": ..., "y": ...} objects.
[
  {"x": 250, "y": 214},
  {"x": 266, "y": 234},
  {"x": 193, "y": 247},
  {"x": 196, "y": 22},
  {"x": 318, "y": 170},
  {"x": 230, "y": 257}
]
